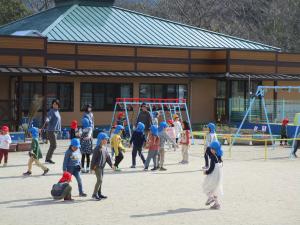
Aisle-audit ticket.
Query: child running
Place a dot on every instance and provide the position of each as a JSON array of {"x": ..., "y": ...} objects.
[
  {"x": 213, "y": 184},
  {"x": 153, "y": 144},
  {"x": 72, "y": 163},
  {"x": 35, "y": 153},
  {"x": 163, "y": 139},
  {"x": 86, "y": 142},
  {"x": 118, "y": 148},
  {"x": 138, "y": 140},
  {"x": 5, "y": 142},
  {"x": 210, "y": 137},
  {"x": 99, "y": 160},
  {"x": 185, "y": 142}
]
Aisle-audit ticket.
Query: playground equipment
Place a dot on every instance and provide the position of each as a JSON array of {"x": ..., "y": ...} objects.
[
  {"x": 260, "y": 93},
  {"x": 173, "y": 106}
]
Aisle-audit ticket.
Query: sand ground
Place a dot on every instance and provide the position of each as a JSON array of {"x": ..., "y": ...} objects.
[{"x": 255, "y": 192}]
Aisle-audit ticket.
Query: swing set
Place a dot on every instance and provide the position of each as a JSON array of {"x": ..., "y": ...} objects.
[
  {"x": 168, "y": 107},
  {"x": 260, "y": 94}
]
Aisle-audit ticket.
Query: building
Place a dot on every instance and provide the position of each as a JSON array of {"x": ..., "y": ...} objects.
[{"x": 93, "y": 52}]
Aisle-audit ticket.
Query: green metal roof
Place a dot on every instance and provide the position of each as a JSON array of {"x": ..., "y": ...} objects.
[{"x": 113, "y": 25}]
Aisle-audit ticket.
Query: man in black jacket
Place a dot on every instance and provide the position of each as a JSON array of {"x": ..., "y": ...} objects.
[{"x": 145, "y": 118}]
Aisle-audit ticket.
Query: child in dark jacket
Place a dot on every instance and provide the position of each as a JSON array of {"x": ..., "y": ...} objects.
[
  {"x": 74, "y": 132},
  {"x": 35, "y": 153},
  {"x": 138, "y": 139},
  {"x": 62, "y": 190},
  {"x": 99, "y": 160},
  {"x": 72, "y": 163},
  {"x": 283, "y": 131}
]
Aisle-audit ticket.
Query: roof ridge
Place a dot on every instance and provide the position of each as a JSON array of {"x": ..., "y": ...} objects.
[
  {"x": 60, "y": 18},
  {"x": 26, "y": 17},
  {"x": 194, "y": 27}
]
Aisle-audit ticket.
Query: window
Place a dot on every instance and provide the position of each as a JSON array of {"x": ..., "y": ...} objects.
[
  {"x": 163, "y": 91},
  {"x": 102, "y": 96},
  {"x": 61, "y": 91},
  {"x": 221, "y": 89}
]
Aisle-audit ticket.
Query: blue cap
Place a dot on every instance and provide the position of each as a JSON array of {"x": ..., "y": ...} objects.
[
  {"x": 85, "y": 122},
  {"x": 154, "y": 130},
  {"x": 75, "y": 142},
  {"x": 212, "y": 127},
  {"x": 162, "y": 126},
  {"x": 101, "y": 136},
  {"x": 34, "y": 132},
  {"x": 217, "y": 147},
  {"x": 118, "y": 129},
  {"x": 154, "y": 114},
  {"x": 140, "y": 127}
]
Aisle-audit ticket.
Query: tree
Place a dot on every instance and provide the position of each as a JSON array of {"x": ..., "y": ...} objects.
[{"x": 12, "y": 10}]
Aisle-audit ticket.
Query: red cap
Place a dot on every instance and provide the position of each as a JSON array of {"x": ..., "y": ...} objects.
[
  {"x": 285, "y": 121},
  {"x": 170, "y": 122},
  {"x": 120, "y": 115},
  {"x": 66, "y": 177},
  {"x": 5, "y": 129},
  {"x": 74, "y": 124}
]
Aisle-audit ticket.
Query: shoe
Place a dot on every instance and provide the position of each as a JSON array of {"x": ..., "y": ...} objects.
[
  {"x": 5, "y": 165},
  {"x": 88, "y": 170},
  {"x": 295, "y": 155},
  {"x": 83, "y": 170},
  {"x": 281, "y": 144},
  {"x": 27, "y": 173},
  {"x": 45, "y": 172},
  {"x": 209, "y": 201},
  {"x": 82, "y": 195},
  {"x": 96, "y": 197},
  {"x": 204, "y": 167},
  {"x": 215, "y": 206},
  {"x": 181, "y": 162},
  {"x": 118, "y": 170},
  {"x": 102, "y": 196},
  {"x": 49, "y": 161},
  {"x": 132, "y": 167},
  {"x": 155, "y": 168},
  {"x": 145, "y": 169},
  {"x": 162, "y": 169},
  {"x": 68, "y": 198}
]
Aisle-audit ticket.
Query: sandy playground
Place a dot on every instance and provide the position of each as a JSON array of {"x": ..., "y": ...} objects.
[{"x": 255, "y": 192}]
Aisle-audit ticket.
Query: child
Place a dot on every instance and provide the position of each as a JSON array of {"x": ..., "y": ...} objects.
[
  {"x": 138, "y": 139},
  {"x": 116, "y": 143},
  {"x": 212, "y": 185},
  {"x": 86, "y": 143},
  {"x": 153, "y": 145},
  {"x": 163, "y": 138},
  {"x": 185, "y": 142},
  {"x": 210, "y": 137},
  {"x": 5, "y": 141},
  {"x": 178, "y": 127},
  {"x": 155, "y": 118},
  {"x": 170, "y": 130},
  {"x": 72, "y": 163},
  {"x": 296, "y": 146},
  {"x": 74, "y": 132},
  {"x": 35, "y": 154},
  {"x": 283, "y": 131},
  {"x": 99, "y": 159},
  {"x": 62, "y": 190}
]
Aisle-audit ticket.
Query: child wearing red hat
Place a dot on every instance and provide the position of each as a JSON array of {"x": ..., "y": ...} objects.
[
  {"x": 62, "y": 190},
  {"x": 74, "y": 132},
  {"x": 283, "y": 130},
  {"x": 5, "y": 141}
]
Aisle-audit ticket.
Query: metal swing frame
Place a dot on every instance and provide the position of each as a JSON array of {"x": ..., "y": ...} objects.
[
  {"x": 173, "y": 105},
  {"x": 260, "y": 93}
]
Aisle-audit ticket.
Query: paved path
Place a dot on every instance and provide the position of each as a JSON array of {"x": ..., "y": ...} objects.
[{"x": 256, "y": 192}]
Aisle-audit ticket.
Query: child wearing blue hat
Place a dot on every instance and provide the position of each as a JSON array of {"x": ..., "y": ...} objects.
[
  {"x": 35, "y": 153},
  {"x": 138, "y": 139},
  {"x": 163, "y": 136},
  {"x": 118, "y": 148},
  {"x": 86, "y": 142},
  {"x": 72, "y": 163},
  {"x": 213, "y": 182},
  {"x": 210, "y": 137},
  {"x": 153, "y": 144},
  {"x": 99, "y": 160}
]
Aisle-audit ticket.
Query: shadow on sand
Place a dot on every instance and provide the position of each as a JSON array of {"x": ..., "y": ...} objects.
[{"x": 170, "y": 212}]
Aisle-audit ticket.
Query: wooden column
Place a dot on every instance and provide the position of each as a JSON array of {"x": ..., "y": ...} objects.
[
  {"x": 20, "y": 100},
  {"x": 44, "y": 92}
]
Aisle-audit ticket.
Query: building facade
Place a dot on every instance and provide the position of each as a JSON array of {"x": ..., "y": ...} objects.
[{"x": 93, "y": 52}]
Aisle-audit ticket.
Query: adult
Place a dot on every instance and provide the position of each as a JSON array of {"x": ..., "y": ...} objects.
[
  {"x": 145, "y": 118},
  {"x": 89, "y": 115},
  {"x": 53, "y": 121}
]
